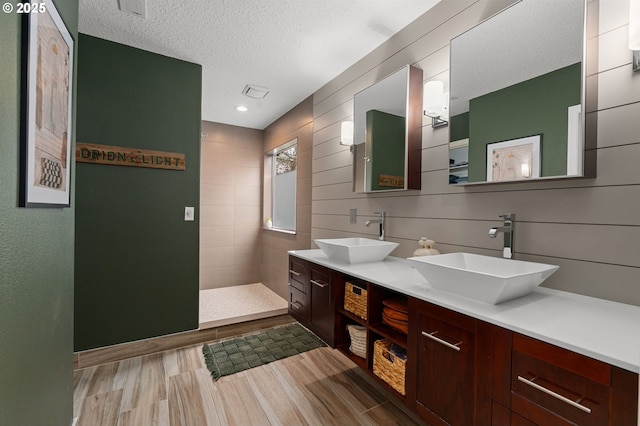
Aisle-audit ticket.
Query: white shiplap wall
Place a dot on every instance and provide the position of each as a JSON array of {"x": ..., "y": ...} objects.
[{"x": 590, "y": 227}]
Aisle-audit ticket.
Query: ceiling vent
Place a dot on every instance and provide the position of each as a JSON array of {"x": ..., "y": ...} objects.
[
  {"x": 134, "y": 7},
  {"x": 255, "y": 92}
]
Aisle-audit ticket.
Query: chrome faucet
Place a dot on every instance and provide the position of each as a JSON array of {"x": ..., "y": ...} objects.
[
  {"x": 382, "y": 219},
  {"x": 507, "y": 229}
]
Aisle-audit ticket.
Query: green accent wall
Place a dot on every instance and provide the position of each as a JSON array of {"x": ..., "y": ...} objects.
[
  {"x": 459, "y": 127},
  {"x": 36, "y": 268},
  {"x": 386, "y": 135},
  {"x": 536, "y": 106},
  {"x": 136, "y": 262}
]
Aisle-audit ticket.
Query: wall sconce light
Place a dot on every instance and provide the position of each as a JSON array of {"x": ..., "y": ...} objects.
[
  {"x": 435, "y": 103},
  {"x": 526, "y": 170},
  {"x": 346, "y": 134}
]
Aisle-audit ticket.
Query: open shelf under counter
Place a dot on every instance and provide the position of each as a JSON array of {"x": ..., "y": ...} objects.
[
  {"x": 390, "y": 334},
  {"x": 353, "y": 317},
  {"x": 359, "y": 361}
]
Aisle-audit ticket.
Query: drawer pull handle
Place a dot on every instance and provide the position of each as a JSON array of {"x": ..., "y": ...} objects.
[
  {"x": 297, "y": 274},
  {"x": 447, "y": 344},
  {"x": 554, "y": 394},
  {"x": 319, "y": 284},
  {"x": 296, "y": 305}
]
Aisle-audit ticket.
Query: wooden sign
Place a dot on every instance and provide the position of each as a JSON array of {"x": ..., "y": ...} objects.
[
  {"x": 391, "y": 181},
  {"x": 131, "y": 157}
]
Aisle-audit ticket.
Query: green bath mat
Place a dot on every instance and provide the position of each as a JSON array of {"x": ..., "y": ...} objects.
[{"x": 233, "y": 356}]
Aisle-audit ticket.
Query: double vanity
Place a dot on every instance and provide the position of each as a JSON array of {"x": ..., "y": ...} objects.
[{"x": 535, "y": 356}]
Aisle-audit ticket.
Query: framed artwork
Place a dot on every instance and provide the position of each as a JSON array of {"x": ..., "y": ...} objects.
[
  {"x": 516, "y": 159},
  {"x": 46, "y": 115}
]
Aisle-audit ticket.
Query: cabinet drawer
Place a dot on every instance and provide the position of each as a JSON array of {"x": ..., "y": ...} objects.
[
  {"x": 297, "y": 303},
  {"x": 550, "y": 385},
  {"x": 319, "y": 276},
  {"x": 298, "y": 273}
]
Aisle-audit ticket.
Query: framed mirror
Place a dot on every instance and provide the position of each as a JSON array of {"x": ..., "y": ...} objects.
[
  {"x": 517, "y": 95},
  {"x": 387, "y": 133}
]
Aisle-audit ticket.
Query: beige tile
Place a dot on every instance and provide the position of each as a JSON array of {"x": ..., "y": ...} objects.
[
  {"x": 217, "y": 257},
  {"x": 303, "y": 192},
  {"x": 218, "y": 133},
  {"x": 246, "y": 255},
  {"x": 216, "y": 195},
  {"x": 248, "y": 176},
  {"x": 213, "y": 152},
  {"x": 248, "y": 157},
  {"x": 248, "y": 216},
  {"x": 248, "y": 196},
  {"x": 216, "y": 236},
  {"x": 243, "y": 274},
  {"x": 304, "y": 164},
  {"x": 216, "y": 215},
  {"x": 218, "y": 173},
  {"x": 215, "y": 277},
  {"x": 247, "y": 235},
  {"x": 247, "y": 138},
  {"x": 303, "y": 219}
]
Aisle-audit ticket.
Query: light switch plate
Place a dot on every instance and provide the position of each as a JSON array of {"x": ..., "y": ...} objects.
[{"x": 189, "y": 214}]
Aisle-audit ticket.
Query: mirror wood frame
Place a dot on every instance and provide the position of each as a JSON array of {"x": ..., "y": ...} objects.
[{"x": 413, "y": 135}]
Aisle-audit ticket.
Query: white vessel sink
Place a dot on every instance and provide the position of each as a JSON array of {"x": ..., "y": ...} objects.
[
  {"x": 487, "y": 279},
  {"x": 355, "y": 250}
]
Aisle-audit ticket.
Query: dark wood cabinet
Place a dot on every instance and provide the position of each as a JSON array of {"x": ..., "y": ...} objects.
[
  {"x": 311, "y": 297},
  {"x": 554, "y": 386},
  {"x": 461, "y": 370},
  {"x": 298, "y": 289},
  {"x": 321, "y": 307},
  {"x": 453, "y": 366}
]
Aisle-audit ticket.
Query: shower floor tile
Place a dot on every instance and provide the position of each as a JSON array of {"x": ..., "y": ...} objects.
[{"x": 231, "y": 305}]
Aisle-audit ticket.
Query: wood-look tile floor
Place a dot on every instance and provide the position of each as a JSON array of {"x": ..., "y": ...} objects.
[{"x": 319, "y": 387}]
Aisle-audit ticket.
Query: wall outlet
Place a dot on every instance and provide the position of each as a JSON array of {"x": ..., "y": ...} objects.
[
  {"x": 353, "y": 213},
  {"x": 189, "y": 214}
]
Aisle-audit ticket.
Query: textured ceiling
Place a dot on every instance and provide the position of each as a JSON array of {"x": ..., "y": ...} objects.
[{"x": 292, "y": 47}]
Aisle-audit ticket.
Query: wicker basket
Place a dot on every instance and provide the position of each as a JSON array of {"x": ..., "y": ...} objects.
[
  {"x": 358, "y": 335},
  {"x": 389, "y": 367},
  {"x": 355, "y": 300}
]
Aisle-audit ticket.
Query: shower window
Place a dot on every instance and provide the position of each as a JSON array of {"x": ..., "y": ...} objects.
[{"x": 280, "y": 187}]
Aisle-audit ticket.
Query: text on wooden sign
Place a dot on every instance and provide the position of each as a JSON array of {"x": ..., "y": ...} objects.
[{"x": 131, "y": 157}]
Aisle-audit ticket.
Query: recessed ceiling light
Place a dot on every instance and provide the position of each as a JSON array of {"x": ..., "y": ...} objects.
[{"x": 242, "y": 108}]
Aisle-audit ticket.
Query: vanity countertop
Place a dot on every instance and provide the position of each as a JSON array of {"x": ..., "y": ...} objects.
[{"x": 598, "y": 328}]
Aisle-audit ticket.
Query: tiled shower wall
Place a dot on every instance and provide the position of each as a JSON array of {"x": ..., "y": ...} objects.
[
  {"x": 297, "y": 123},
  {"x": 230, "y": 205},
  {"x": 590, "y": 227}
]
